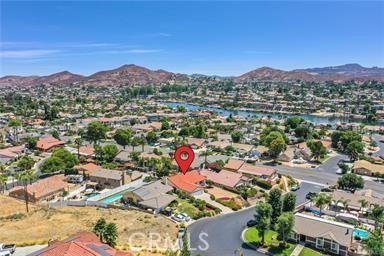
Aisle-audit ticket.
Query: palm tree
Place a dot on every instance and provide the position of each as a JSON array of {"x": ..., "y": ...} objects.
[
  {"x": 321, "y": 200},
  {"x": 26, "y": 177},
  {"x": 377, "y": 214},
  {"x": 363, "y": 204},
  {"x": 79, "y": 142},
  {"x": 206, "y": 153},
  {"x": 3, "y": 181},
  {"x": 345, "y": 204}
]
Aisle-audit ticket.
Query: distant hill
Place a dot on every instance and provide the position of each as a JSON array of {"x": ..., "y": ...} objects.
[
  {"x": 337, "y": 73},
  {"x": 132, "y": 74}
]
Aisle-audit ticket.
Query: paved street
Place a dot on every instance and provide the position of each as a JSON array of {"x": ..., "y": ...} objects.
[
  {"x": 22, "y": 251},
  {"x": 378, "y": 138},
  {"x": 228, "y": 228}
]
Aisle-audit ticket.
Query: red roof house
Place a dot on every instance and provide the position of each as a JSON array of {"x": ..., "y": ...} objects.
[
  {"x": 191, "y": 182},
  {"x": 47, "y": 142},
  {"x": 84, "y": 244},
  {"x": 224, "y": 178}
]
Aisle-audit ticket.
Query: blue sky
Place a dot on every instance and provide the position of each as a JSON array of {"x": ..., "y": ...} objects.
[{"x": 224, "y": 38}]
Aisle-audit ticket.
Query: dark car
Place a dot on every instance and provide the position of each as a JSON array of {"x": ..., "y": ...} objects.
[
  {"x": 310, "y": 195},
  {"x": 327, "y": 189},
  {"x": 251, "y": 223}
]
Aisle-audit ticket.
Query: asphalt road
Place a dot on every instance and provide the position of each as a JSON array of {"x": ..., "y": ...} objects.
[
  {"x": 378, "y": 138},
  {"x": 223, "y": 233}
]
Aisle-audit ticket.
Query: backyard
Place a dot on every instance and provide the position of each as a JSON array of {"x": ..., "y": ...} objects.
[
  {"x": 44, "y": 224},
  {"x": 309, "y": 252}
]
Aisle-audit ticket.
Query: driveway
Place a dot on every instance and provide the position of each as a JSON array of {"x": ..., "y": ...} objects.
[
  {"x": 22, "y": 251},
  {"x": 221, "y": 235},
  {"x": 207, "y": 198},
  {"x": 378, "y": 138}
]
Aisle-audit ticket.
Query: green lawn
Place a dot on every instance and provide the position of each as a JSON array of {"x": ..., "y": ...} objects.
[
  {"x": 252, "y": 236},
  {"x": 309, "y": 252},
  {"x": 187, "y": 207}
]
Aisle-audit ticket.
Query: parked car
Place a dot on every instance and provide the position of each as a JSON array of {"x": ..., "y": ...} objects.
[
  {"x": 8, "y": 247},
  {"x": 5, "y": 253},
  {"x": 251, "y": 223},
  {"x": 295, "y": 187},
  {"x": 185, "y": 216},
  {"x": 177, "y": 217},
  {"x": 339, "y": 171},
  {"x": 327, "y": 189},
  {"x": 181, "y": 233},
  {"x": 310, "y": 195}
]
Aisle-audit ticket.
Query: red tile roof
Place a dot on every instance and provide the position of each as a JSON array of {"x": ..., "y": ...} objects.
[
  {"x": 188, "y": 182},
  {"x": 257, "y": 170},
  {"x": 82, "y": 244},
  {"x": 225, "y": 178},
  {"x": 48, "y": 142},
  {"x": 89, "y": 168},
  {"x": 234, "y": 164},
  {"x": 86, "y": 150}
]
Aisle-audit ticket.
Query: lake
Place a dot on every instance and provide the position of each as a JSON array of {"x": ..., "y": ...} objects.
[{"x": 226, "y": 112}]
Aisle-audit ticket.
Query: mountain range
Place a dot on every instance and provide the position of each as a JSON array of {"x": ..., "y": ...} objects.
[{"x": 132, "y": 74}]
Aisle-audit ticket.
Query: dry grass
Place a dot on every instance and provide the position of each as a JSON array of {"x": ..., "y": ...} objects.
[{"x": 43, "y": 224}]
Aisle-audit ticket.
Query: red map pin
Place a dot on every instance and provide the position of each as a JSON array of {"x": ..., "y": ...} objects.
[{"x": 184, "y": 157}]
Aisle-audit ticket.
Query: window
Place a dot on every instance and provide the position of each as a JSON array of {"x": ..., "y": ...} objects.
[
  {"x": 319, "y": 242},
  {"x": 335, "y": 247}
]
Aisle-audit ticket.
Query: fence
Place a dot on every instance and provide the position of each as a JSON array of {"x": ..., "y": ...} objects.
[{"x": 77, "y": 203}]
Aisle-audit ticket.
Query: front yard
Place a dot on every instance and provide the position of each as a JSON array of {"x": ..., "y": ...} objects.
[
  {"x": 309, "y": 252},
  {"x": 252, "y": 236}
]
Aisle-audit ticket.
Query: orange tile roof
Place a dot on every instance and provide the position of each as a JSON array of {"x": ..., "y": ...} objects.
[
  {"x": 82, "y": 244},
  {"x": 43, "y": 187},
  {"x": 86, "y": 150},
  {"x": 187, "y": 182},
  {"x": 234, "y": 164},
  {"x": 48, "y": 142},
  {"x": 89, "y": 168},
  {"x": 257, "y": 170}
]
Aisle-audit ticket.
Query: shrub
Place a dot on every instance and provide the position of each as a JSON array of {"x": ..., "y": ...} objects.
[{"x": 263, "y": 184}]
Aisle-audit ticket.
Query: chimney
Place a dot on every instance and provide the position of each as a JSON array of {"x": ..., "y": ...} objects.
[{"x": 123, "y": 177}]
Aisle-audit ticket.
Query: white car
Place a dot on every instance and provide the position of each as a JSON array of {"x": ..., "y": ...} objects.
[
  {"x": 185, "y": 216},
  {"x": 339, "y": 171}
]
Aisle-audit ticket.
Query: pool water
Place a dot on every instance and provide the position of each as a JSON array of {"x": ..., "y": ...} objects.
[
  {"x": 361, "y": 233},
  {"x": 91, "y": 195},
  {"x": 115, "y": 197}
]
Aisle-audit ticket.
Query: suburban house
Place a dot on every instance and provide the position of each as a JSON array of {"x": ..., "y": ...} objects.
[
  {"x": 330, "y": 236},
  {"x": 191, "y": 182},
  {"x": 47, "y": 142},
  {"x": 11, "y": 153},
  {"x": 108, "y": 178},
  {"x": 363, "y": 167},
  {"x": 195, "y": 143},
  {"x": 233, "y": 165},
  {"x": 226, "y": 179},
  {"x": 83, "y": 243},
  {"x": 86, "y": 151},
  {"x": 87, "y": 169},
  {"x": 354, "y": 199},
  {"x": 261, "y": 172},
  {"x": 151, "y": 196},
  {"x": 42, "y": 190}
]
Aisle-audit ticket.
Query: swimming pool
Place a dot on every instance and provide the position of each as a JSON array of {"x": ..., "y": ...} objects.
[
  {"x": 115, "y": 197},
  {"x": 361, "y": 233}
]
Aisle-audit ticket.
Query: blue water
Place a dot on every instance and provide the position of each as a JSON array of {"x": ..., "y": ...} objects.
[
  {"x": 361, "y": 233},
  {"x": 115, "y": 197},
  {"x": 91, "y": 195},
  {"x": 243, "y": 113}
]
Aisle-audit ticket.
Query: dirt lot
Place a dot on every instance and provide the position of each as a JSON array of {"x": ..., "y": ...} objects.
[{"x": 43, "y": 224}]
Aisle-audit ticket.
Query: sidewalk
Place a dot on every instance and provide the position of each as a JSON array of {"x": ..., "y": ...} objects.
[{"x": 297, "y": 250}]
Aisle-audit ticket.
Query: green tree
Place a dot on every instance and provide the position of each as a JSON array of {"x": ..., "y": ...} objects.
[
  {"x": 374, "y": 244},
  {"x": 123, "y": 137},
  {"x": 96, "y": 131},
  {"x": 349, "y": 136},
  {"x": 79, "y": 142},
  {"x": 276, "y": 143},
  {"x": 293, "y": 122},
  {"x": 15, "y": 124},
  {"x": 3, "y": 181},
  {"x": 317, "y": 149},
  {"x": 236, "y": 136},
  {"x": 263, "y": 218},
  {"x": 31, "y": 142},
  {"x": 164, "y": 125},
  {"x": 377, "y": 214},
  {"x": 52, "y": 164},
  {"x": 354, "y": 149},
  {"x": 285, "y": 225},
  {"x": 25, "y": 163},
  {"x": 289, "y": 202},
  {"x": 135, "y": 142},
  {"x": 26, "y": 177},
  {"x": 350, "y": 181},
  {"x": 109, "y": 152},
  {"x": 302, "y": 131},
  {"x": 110, "y": 234},
  {"x": 186, "y": 250},
  {"x": 67, "y": 157},
  {"x": 274, "y": 199},
  {"x": 321, "y": 200},
  {"x": 99, "y": 228},
  {"x": 151, "y": 137}
]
